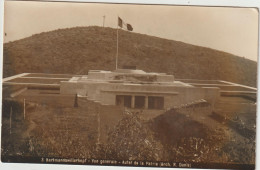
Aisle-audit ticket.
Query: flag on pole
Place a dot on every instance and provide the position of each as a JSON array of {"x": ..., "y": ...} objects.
[{"x": 121, "y": 24}]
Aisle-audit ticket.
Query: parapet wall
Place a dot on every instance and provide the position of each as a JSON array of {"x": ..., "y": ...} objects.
[{"x": 133, "y": 76}]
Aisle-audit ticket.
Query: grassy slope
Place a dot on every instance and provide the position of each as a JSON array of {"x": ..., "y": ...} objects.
[{"x": 77, "y": 50}]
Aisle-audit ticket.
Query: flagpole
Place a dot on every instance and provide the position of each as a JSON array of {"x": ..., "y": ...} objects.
[
  {"x": 117, "y": 48},
  {"x": 104, "y": 17}
]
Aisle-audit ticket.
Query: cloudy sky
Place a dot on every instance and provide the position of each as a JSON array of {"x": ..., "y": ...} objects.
[{"x": 233, "y": 30}]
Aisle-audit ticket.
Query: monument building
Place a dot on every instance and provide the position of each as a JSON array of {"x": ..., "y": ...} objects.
[{"x": 136, "y": 89}]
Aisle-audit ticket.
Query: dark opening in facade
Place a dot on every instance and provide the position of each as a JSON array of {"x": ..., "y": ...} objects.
[
  {"x": 123, "y": 100},
  {"x": 155, "y": 102},
  {"x": 139, "y": 102}
]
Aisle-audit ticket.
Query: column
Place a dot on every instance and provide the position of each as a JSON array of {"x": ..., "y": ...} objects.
[
  {"x": 133, "y": 102},
  {"x": 146, "y": 102}
]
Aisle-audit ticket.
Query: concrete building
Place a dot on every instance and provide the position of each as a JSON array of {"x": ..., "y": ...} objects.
[{"x": 136, "y": 89}]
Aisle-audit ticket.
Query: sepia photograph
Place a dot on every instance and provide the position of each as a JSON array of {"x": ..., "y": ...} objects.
[{"x": 129, "y": 85}]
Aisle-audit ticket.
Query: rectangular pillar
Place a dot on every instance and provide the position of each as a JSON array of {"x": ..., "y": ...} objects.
[{"x": 133, "y": 102}]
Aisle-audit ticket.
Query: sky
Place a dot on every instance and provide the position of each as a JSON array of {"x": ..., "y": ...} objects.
[{"x": 233, "y": 30}]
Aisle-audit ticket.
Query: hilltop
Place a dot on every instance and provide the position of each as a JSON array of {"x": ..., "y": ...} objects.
[{"x": 77, "y": 50}]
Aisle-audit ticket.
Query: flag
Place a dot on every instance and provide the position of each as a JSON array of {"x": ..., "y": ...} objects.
[
  {"x": 129, "y": 27},
  {"x": 120, "y": 22}
]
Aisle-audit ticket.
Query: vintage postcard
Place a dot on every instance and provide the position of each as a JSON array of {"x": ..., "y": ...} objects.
[{"x": 129, "y": 85}]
